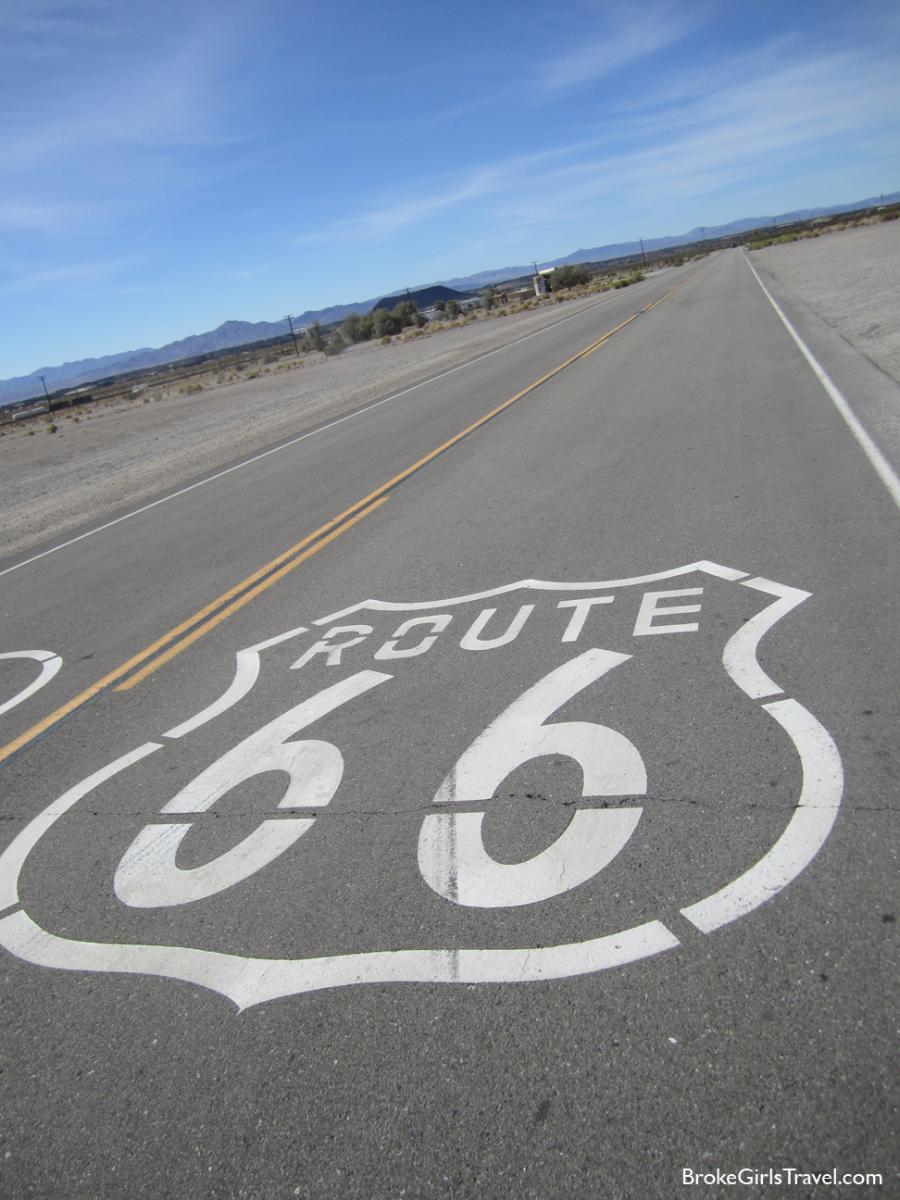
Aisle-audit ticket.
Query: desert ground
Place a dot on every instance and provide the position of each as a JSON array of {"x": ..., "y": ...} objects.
[{"x": 852, "y": 281}]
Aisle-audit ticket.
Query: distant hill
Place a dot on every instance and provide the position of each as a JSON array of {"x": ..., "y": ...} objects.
[
  {"x": 227, "y": 335},
  {"x": 240, "y": 333},
  {"x": 422, "y": 297}
]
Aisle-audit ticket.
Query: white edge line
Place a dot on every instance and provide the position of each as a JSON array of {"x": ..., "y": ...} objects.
[
  {"x": 880, "y": 464},
  {"x": 302, "y": 437}
]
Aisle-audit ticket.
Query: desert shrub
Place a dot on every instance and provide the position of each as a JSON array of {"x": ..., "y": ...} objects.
[
  {"x": 314, "y": 338},
  {"x": 356, "y": 328},
  {"x": 385, "y": 340},
  {"x": 335, "y": 345},
  {"x": 50, "y": 427},
  {"x": 191, "y": 389}
]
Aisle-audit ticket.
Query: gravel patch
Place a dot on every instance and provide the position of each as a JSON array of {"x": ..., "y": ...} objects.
[
  {"x": 116, "y": 454},
  {"x": 852, "y": 281}
]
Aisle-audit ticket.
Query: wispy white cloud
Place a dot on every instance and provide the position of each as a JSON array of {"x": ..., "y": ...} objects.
[
  {"x": 388, "y": 218},
  {"x": 81, "y": 274},
  {"x": 631, "y": 33},
  {"x": 115, "y": 121},
  {"x": 392, "y": 215},
  {"x": 771, "y": 111},
  {"x": 34, "y": 29},
  {"x": 26, "y": 216},
  {"x": 162, "y": 102}
]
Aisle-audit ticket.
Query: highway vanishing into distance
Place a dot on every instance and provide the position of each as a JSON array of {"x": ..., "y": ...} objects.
[{"x": 489, "y": 794}]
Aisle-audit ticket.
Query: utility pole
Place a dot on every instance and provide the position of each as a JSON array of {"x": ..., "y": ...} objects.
[
  {"x": 293, "y": 335},
  {"x": 46, "y": 393},
  {"x": 643, "y": 255}
]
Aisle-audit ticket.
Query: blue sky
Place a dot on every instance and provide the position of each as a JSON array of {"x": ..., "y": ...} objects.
[{"x": 168, "y": 166}]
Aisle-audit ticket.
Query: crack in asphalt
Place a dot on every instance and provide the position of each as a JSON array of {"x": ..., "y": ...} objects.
[{"x": 462, "y": 808}]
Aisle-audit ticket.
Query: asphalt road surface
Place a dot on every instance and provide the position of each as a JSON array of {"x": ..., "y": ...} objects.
[{"x": 408, "y": 814}]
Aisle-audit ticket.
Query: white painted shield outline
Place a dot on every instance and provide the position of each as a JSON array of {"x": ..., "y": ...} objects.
[{"x": 248, "y": 981}]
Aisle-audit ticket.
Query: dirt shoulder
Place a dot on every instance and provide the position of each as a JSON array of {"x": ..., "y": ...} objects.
[
  {"x": 118, "y": 453},
  {"x": 850, "y": 280}
]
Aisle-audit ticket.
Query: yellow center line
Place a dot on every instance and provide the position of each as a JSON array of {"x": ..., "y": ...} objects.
[
  {"x": 95, "y": 688},
  {"x": 223, "y": 615},
  {"x": 242, "y": 593}
]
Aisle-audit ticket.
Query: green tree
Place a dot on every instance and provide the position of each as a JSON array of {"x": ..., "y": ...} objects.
[
  {"x": 567, "y": 277},
  {"x": 405, "y": 312},
  {"x": 452, "y": 309},
  {"x": 489, "y": 298}
]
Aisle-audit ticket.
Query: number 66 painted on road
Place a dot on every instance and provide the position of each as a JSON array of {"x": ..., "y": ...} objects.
[{"x": 452, "y": 856}]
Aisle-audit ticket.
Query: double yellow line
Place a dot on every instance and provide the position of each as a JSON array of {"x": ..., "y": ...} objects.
[{"x": 165, "y": 648}]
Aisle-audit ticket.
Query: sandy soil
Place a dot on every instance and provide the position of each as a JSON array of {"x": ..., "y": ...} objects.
[
  {"x": 118, "y": 453},
  {"x": 849, "y": 279}
]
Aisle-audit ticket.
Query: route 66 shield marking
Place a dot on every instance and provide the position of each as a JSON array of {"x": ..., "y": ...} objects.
[
  {"x": 609, "y": 648},
  {"x": 50, "y": 663}
]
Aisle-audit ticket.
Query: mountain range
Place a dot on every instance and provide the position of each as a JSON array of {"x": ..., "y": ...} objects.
[{"x": 240, "y": 333}]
